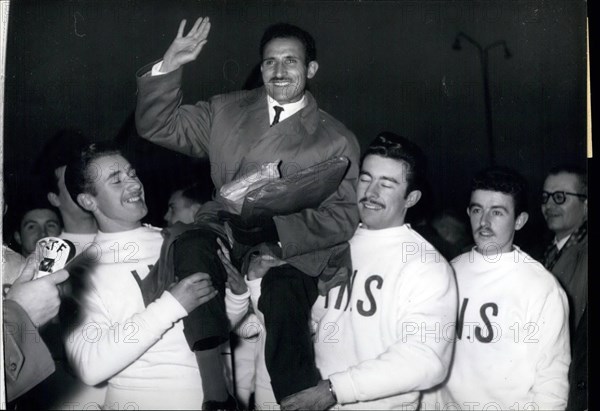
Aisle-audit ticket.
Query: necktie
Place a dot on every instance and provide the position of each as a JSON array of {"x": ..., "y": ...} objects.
[
  {"x": 278, "y": 111},
  {"x": 551, "y": 256}
]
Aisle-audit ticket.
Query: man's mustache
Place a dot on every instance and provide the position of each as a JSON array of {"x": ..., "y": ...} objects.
[
  {"x": 274, "y": 79},
  {"x": 365, "y": 199}
]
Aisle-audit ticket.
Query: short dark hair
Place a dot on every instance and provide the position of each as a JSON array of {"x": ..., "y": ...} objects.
[
  {"x": 58, "y": 151},
  {"x": 28, "y": 202},
  {"x": 23, "y": 212},
  {"x": 580, "y": 172},
  {"x": 286, "y": 30},
  {"x": 197, "y": 193},
  {"x": 504, "y": 180},
  {"x": 396, "y": 147},
  {"x": 78, "y": 176}
]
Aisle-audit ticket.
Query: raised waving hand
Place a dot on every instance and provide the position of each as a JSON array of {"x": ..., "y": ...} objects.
[{"x": 186, "y": 48}]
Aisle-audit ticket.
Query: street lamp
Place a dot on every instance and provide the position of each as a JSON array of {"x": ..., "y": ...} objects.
[{"x": 483, "y": 59}]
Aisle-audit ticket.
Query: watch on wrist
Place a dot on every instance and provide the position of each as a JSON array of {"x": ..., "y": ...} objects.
[{"x": 332, "y": 391}]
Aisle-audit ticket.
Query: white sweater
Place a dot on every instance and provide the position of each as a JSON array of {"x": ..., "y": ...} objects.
[
  {"x": 81, "y": 242},
  {"x": 394, "y": 337},
  {"x": 141, "y": 350},
  {"x": 523, "y": 362}
]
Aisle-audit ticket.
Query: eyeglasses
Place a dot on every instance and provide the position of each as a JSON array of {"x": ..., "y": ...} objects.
[{"x": 559, "y": 197}]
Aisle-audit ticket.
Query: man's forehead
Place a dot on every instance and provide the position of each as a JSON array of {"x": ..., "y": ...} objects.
[
  {"x": 110, "y": 163},
  {"x": 39, "y": 215},
  {"x": 284, "y": 45},
  {"x": 565, "y": 181},
  {"x": 374, "y": 163},
  {"x": 491, "y": 198}
]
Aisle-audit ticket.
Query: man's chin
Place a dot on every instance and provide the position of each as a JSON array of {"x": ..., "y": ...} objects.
[
  {"x": 144, "y": 212},
  {"x": 139, "y": 212},
  {"x": 282, "y": 96}
]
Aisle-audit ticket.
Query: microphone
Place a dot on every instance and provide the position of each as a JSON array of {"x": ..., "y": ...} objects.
[{"x": 54, "y": 254}]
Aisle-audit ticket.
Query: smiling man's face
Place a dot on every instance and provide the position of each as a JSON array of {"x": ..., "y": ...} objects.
[
  {"x": 564, "y": 219},
  {"x": 285, "y": 70},
  {"x": 381, "y": 192},
  {"x": 118, "y": 203}
]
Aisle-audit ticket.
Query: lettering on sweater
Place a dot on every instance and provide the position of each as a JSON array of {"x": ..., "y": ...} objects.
[
  {"x": 526, "y": 333},
  {"x": 486, "y": 337},
  {"x": 137, "y": 277},
  {"x": 366, "y": 308}
]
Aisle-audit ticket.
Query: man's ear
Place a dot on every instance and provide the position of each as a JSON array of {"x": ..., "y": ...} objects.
[
  {"x": 521, "y": 220},
  {"x": 17, "y": 236},
  {"x": 413, "y": 198},
  {"x": 312, "y": 68},
  {"x": 53, "y": 199},
  {"x": 87, "y": 202}
]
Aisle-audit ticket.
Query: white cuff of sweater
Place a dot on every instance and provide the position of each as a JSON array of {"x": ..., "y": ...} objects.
[
  {"x": 344, "y": 387},
  {"x": 254, "y": 287},
  {"x": 167, "y": 308},
  {"x": 236, "y": 301},
  {"x": 156, "y": 69}
]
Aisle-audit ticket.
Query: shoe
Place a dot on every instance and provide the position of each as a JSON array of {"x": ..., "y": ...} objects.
[{"x": 230, "y": 404}]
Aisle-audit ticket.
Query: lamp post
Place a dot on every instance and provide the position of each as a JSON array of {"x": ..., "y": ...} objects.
[{"x": 483, "y": 59}]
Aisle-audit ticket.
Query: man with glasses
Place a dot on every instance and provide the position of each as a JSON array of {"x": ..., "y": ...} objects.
[{"x": 564, "y": 206}]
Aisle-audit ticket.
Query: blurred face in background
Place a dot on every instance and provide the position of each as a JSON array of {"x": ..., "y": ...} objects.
[
  {"x": 181, "y": 209},
  {"x": 37, "y": 223}
]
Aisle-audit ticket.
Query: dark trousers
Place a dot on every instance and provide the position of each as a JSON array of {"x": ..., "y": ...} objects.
[
  {"x": 287, "y": 296},
  {"x": 207, "y": 326}
]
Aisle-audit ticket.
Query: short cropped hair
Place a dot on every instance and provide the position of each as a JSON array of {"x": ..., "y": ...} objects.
[
  {"x": 286, "y": 30},
  {"x": 396, "y": 147},
  {"x": 58, "y": 151},
  {"x": 580, "y": 172},
  {"x": 29, "y": 204},
  {"x": 79, "y": 178},
  {"x": 504, "y": 180}
]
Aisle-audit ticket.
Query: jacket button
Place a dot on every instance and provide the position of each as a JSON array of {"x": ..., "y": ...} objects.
[
  {"x": 581, "y": 385},
  {"x": 13, "y": 366}
]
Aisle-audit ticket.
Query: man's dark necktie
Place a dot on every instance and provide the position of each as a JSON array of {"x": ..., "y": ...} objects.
[
  {"x": 553, "y": 253},
  {"x": 278, "y": 111},
  {"x": 551, "y": 256}
]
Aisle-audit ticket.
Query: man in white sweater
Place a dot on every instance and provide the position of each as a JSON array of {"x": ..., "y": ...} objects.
[
  {"x": 387, "y": 334},
  {"x": 137, "y": 345},
  {"x": 512, "y": 347},
  {"x": 79, "y": 226}
]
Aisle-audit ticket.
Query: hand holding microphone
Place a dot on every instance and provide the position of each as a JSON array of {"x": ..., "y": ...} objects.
[{"x": 38, "y": 297}]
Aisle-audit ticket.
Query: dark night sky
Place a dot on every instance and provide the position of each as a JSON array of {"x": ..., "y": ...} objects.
[{"x": 383, "y": 66}]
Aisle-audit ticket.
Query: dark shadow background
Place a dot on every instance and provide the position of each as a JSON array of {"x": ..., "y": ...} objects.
[{"x": 385, "y": 65}]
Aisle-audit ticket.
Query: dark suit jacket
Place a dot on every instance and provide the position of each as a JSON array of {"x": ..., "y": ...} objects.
[
  {"x": 233, "y": 131},
  {"x": 571, "y": 269},
  {"x": 27, "y": 361}
]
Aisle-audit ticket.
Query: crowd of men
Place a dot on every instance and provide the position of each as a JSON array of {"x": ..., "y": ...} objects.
[{"x": 338, "y": 304}]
